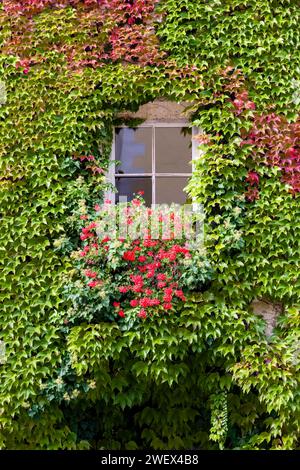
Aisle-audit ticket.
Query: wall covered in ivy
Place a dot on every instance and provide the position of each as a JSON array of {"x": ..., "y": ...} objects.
[{"x": 207, "y": 376}]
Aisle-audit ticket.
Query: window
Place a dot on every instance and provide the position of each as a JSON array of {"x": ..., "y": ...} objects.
[{"x": 155, "y": 158}]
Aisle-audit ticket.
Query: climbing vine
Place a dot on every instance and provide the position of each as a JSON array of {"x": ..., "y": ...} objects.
[{"x": 206, "y": 376}]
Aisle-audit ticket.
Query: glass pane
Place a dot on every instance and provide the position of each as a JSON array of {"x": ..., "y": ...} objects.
[
  {"x": 134, "y": 150},
  {"x": 170, "y": 189},
  {"x": 173, "y": 150},
  {"x": 129, "y": 186}
]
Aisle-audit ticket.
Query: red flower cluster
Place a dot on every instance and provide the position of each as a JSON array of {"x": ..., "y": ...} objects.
[
  {"x": 90, "y": 273},
  {"x": 87, "y": 231},
  {"x": 152, "y": 283},
  {"x": 149, "y": 270}
]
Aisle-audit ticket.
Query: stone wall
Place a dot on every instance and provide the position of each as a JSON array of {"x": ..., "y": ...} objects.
[
  {"x": 162, "y": 111},
  {"x": 269, "y": 311}
]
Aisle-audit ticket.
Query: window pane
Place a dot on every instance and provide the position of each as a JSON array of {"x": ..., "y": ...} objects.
[
  {"x": 170, "y": 189},
  {"x": 173, "y": 150},
  {"x": 129, "y": 186},
  {"x": 134, "y": 150}
]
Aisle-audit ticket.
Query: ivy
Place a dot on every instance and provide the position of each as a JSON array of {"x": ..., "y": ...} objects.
[{"x": 207, "y": 377}]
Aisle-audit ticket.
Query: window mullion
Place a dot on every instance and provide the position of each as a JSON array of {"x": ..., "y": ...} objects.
[
  {"x": 153, "y": 167},
  {"x": 111, "y": 171}
]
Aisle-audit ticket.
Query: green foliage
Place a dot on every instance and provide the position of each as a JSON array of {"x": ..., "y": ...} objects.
[{"x": 208, "y": 378}]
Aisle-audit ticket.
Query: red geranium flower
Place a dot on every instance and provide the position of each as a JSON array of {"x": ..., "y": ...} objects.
[
  {"x": 161, "y": 284},
  {"x": 123, "y": 289},
  {"x": 148, "y": 291},
  {"x": 161, "y": 277},
  {"x": 129, "y": 256},
  {"x": 137, "y": 288},
  {"x": 90, "y": 273},
  {"x": 142, "y": 313},
  {"x": 167, "y": 306},
  {"x": 93, "y": 283}
]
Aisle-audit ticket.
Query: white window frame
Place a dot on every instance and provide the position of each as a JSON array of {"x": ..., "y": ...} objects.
[{"x": 111, "y": 174}]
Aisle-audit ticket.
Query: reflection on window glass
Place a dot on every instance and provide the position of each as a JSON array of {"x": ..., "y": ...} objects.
[
  {"x": 134, "y": 150},
  {"x": 170, "y": 189},
  {"x": 172, "y": 150},
  {"x": 128, "y": 186}
]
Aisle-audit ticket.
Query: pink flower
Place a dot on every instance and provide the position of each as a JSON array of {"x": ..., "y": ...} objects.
[
  {"x": 97, "y": 207},
  {"x": 149, "y": 243},
  {"x": 161, "y": 284},
  {"x": 107, "y": 201},
  {"x": 123, "y": 289},
  {"x": 137, "y": 288},
  {"x": 167, "y": 306},
  {"x": 90, "y": 273},
  {"x": 92, "y": 225},
  {"x": 168, "y": 291},
  {"x": 93, "y": 283},
  {"x": 179, "y": 293},
  {"x": 154, "y": 302},
  {"x": 136, "y": 278},
  {"x": 150, "y": 274},
  {"x": 136, "y": 202},
  {"x": 84, "y": 217},
  {"x": 144, "y": 302},
  {"x": 142, "y": 313},
  {"x": 142, "y": 269}
]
